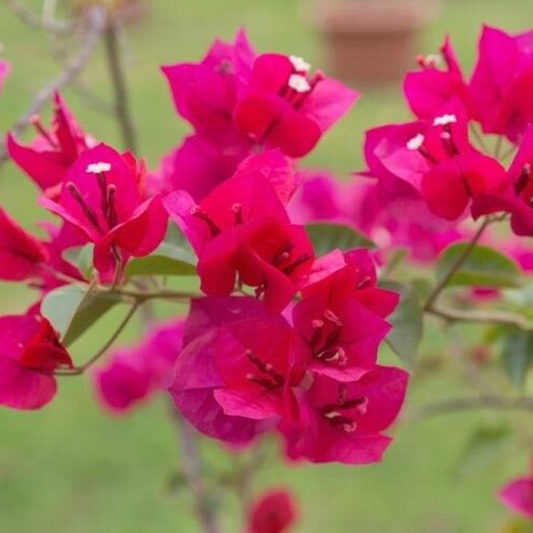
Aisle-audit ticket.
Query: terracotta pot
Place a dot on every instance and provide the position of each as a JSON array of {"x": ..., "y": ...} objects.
[{"x": 371, "y": 41}]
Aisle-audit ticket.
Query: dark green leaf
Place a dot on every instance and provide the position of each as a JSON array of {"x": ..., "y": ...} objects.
[
  {"x": 327, "y": 237},
  {"x": 408, "y": 324},
  {"x": 517, "y": 352},
  {"x": 73, "y": 309},
  {"x": 484, "y": 267},
  {"x": 167, "y": 260}
]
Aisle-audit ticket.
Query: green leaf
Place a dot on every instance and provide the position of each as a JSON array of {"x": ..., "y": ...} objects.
[
  {"x": 167, "y": 260},
  {"x": 408, "y": 323},
  {"x": 327, "y": 237},
  {"x": 484, "y": 267},
  {"x": 517, "y": 355},
  {"x": 73, "y": 309},
  {"x": 81, "y": 257}
]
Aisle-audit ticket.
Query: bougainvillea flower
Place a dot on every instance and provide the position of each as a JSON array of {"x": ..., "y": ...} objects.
[
  {"x": 242, "y": 229},
  {"x": 54, "y": 151},
  {"x": 341, "y": 319},
  {"x": 517, "y": 495},
  {"x": 196, "y": 166},
  {"x": 196, "y": 376},
  {"x": 343, "y": 422},
  {"x": 502, "y": 82},
  {"x": 30, "y": 351},
  {"x": 284, "y": 107},
  {"x": 429, "y": 89},
  {"x": 22, "y": 255},
  {"x": 435, "y": 160},
  {"x": 259, "y": 364},
  {"x": 205, "y": 93},
  {"x": 103, "y": 197},
  {"x": 273, "y": 511},
  {"x": 133, "y": 375}
]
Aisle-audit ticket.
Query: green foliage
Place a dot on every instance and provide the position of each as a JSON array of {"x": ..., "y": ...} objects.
[
  {"x": 167, "y": 260},
  {"x": 408, "y": 323},
  {"x": 327, "y": 237},
  {"x": 484, "y": 267},
  {"x": 73, "y": 309},
  {"x": 516, "y": 354}
]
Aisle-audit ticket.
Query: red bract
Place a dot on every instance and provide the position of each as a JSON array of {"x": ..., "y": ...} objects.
[
  {"x": 259, "y": 364},
  {"x": 428, "y": 90},
  {"x": 54, "y": 150},
  {"x": 343, "y": 422},
  {"x": 273, "y": 512},
  {"x": 341, "y": 319},
  {"x": 103, "y": 198},
  {"x": 282, "y": 106},
  {"x": 434, "y": 161},
  {"x": 22, "y": 256},
  {"x": 30, "y": 351},
  {"x": 242, "y": 229},
  {"x": 134, "y": 375},
  {"x": 502, "y": 83},
  {"x": 517, "y": 495},
  {"x": 196, "y": 376}
]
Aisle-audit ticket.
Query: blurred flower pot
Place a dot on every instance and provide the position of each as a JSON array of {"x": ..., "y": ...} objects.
[{"x": 371, "y": 41}]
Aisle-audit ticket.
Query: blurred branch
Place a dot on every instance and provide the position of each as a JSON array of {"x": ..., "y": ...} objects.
[
  {"x": 193, "y": 470},
  {"x": 504, "y": 318},
  {"x": 95, "y": 23},
  {"x": 456, "y": 405},
  {"x": 116, "y": 70},
  {"x": 27, "y": 16}
]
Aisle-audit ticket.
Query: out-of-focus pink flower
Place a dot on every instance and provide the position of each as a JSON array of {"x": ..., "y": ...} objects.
[
  {"x": 517, "y": 495},
  {"x": 30, "y": 351},
  {"x": 133, "y": 375},
  {"x": 502, "y": 83},
  {"x": 5, "y": 68},
  {"x": 343, "y": 422},
  {"x": 242, "y": 229},
  {"x": 429, "y": 89},
  {"x": 103, "y": 198},
  {"x": 274, "y": 511},
  {"x": 54, "y": 151}
]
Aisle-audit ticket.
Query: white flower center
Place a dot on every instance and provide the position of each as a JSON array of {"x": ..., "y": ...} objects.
[
  {"x": 98, "y": 168},
  {"x": 433, "y": 60},
  {"x": 299, "y": 83},
  {"x": 299, "y": 64},
  {"x": 444, "y": 120},
  {"x": 416, "y": 142}
]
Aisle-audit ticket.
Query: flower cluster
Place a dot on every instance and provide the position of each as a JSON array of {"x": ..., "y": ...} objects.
[{"x": 280, "y": 339}]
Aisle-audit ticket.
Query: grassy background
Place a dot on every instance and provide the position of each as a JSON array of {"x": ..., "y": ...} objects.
[{"x": 71, "y": 468}]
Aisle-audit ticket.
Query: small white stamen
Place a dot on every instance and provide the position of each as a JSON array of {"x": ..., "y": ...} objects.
[
  {"x": 349, "y": 428},
  {"x": 299, "y": 64},
  {"x": 444, "y": 120},
  {"x": 433, "y": 60},
  {"x": 416, "y": 142},
  {"x": 332, "y": 414},
  {"x": 299, "y": 83},
  {"x": 98, "y": 168}
]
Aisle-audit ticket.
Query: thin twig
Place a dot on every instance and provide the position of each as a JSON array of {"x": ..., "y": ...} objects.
[
  {"x": 116, "y": 70},
  {"x": 456, "y": 266},
  {"x": 27, "y": 16},
  {"x": 457, "y": 405},
  {"x": 96, "y": 23},
  {"x": 480, "y": 317},
  {"x": 193, "y": 471}
]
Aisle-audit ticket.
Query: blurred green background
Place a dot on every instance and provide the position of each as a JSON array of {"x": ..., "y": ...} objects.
[{"x": 72, "y": 468}]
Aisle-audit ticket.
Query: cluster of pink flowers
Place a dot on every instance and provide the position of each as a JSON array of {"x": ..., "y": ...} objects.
[{"x": 248, "y": 358}]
